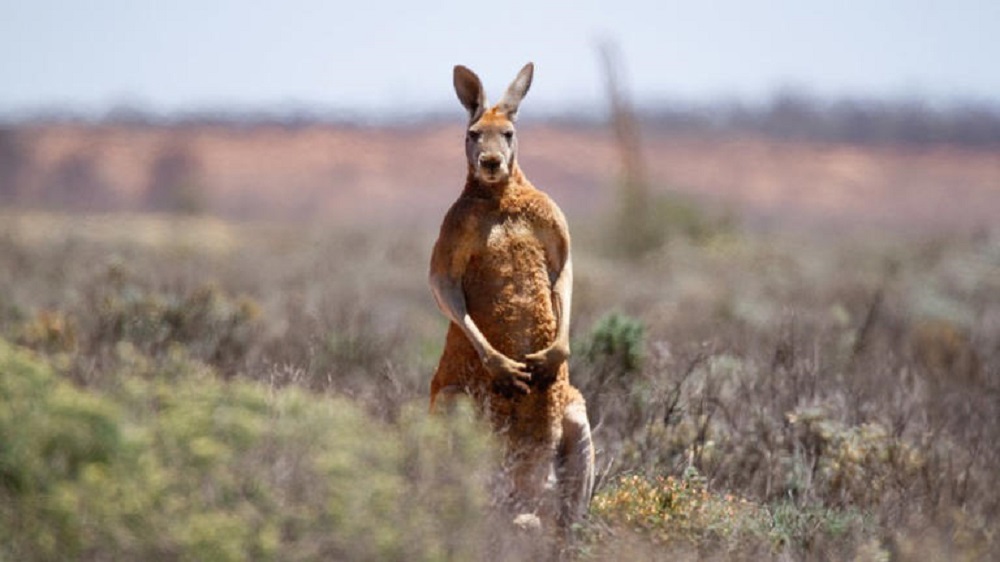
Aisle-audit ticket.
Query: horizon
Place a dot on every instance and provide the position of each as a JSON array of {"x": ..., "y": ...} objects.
[
  {"x": 393, "y": 59},
  {"x": 718, "y": 111}
]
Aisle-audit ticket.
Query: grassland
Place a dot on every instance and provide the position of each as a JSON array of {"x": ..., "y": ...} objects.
[{"x": 187, "y": 388}]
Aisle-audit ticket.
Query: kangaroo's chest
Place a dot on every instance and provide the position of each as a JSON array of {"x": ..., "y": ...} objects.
[
  {"x": 509, "y": 235},
  {"x": 511, "y": 251},
  {"x": 507, "y": 282}
]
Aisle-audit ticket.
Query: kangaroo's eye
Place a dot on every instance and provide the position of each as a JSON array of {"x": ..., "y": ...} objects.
[
  {"x": 474, "y": 135},
  {"x": 509, "y": 135}
]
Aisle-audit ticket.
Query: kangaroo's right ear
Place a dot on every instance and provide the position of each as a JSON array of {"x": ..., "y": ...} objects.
[
  {"x": 516, "y": 91},
  {"x": 470, "y": 92}
]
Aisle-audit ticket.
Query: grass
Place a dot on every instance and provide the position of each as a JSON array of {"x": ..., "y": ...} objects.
[{"x": 245, "y": 391}]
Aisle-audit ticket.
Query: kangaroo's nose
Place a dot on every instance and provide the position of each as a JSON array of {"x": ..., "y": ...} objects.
[{"x": 490, "y": 161}]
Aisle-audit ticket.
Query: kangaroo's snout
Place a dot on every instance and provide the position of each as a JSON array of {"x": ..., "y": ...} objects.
[
  {"x": 492, "y": 167},
  {"x": 490, "y": 162}
]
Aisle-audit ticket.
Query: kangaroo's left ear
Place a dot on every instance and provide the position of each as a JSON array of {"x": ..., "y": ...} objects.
[
  {"x": 515, "y": 92},
  {"x": 470, "y": 92}
]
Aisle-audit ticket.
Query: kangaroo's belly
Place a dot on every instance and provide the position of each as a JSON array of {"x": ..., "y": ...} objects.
[{"x": 508, "y": 291}]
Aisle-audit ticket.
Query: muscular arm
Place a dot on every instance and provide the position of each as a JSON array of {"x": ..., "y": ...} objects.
[
  {"x": 562, "y": 300},
  {"x": 448, "y": 262},
  {"x": 554, "y": 233},
  {"x": 451, "y": 300}
]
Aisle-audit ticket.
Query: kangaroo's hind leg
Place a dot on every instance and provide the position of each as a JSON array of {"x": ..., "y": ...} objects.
[{"x": 574, "y": 465}]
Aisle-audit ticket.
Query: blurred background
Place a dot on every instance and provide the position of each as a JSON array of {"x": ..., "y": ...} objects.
[
  {"x": 216, "y": 337},
  {"x": 792, "y": 110}
]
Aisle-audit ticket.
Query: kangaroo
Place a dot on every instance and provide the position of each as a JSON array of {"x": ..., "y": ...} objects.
[{"x": 501, "y": 271}]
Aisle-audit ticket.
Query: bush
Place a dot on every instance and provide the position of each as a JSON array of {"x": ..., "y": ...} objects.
[
  {"x": 683, "y": 513},
  {"x": 607, "y": 369},
  {"x": 617, "y": 341},
  {"x": 50, "y": 331},
  {"x": 213, "y": 326},
  {"x": 672, "y": 510},
  {"x": 188, "y": 467},
  {"x": 52, "y": 439},
  {"x": 849, "y": 466}
]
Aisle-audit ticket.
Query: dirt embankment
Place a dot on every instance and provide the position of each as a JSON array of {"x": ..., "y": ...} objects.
[{"x": 339, "y": 172}]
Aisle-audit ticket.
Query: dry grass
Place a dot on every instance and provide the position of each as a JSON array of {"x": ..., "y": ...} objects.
[{"x": 755, "y": 395}]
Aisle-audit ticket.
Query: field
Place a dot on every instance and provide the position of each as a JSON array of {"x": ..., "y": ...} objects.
[{"x": 193, "y": 388}]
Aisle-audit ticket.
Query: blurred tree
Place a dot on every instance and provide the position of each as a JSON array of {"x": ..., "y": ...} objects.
[
  {"x": 644, "y": 219},
  {"x": 791, "y": 116},
  {"x": 636, "y": 229},
  {"x": 75, "y": 184},
  {"x": 11, "y": 165},
  {"x": 175, "y": 182}
]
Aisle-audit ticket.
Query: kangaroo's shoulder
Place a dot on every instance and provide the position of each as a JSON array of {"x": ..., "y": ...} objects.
[
  {"x": 537, "y": 207},
  {"x": 465, "y": 214}
]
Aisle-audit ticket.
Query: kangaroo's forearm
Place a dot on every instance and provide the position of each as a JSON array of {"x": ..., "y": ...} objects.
[
  {"x": 451, "y": 301},
  {"x": 562, "y": 300}
]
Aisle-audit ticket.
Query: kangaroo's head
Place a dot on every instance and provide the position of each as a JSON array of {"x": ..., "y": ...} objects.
[{"x": 490, "y": 140}]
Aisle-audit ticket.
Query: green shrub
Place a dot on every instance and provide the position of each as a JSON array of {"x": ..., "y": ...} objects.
[
  {"x": 184, "y": 466},
  {"x": 617, "y": 341},
  {"x": 815, "y": 528},
  {"x": 52, "y": 438}
]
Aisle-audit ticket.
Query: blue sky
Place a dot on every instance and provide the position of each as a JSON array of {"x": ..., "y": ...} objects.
[{"x": 388, "y": 55}]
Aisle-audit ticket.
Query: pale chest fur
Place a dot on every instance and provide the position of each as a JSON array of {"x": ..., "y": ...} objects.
[
  {"x": 508, "y": 286},
  {"x": 502, "y": 232}
]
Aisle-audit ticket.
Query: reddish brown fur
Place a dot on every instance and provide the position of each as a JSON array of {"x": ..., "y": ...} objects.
[
  {"x": 508, "y": 290},
  {"x": 502, "y": 272}
]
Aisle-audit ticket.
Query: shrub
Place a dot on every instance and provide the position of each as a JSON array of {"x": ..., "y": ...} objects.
[
  {"x": 52, "y": 438},
  {"x": 607, "y": 369},
  {"x": 215, "y": 327},
  {"x": 185, "y": 466},
  {"x": 51, "y": 331},
  {"x": 679, "y": 510},
  {"x": 850, "y": 466},
  {"x": 617, "y": 341},
  {"x": 684, "y": 513}
]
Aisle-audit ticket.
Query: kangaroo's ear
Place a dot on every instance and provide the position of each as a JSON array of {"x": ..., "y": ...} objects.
[
  {"x": 470, "y": 91},
  {"x": 516, "y": 91}
]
